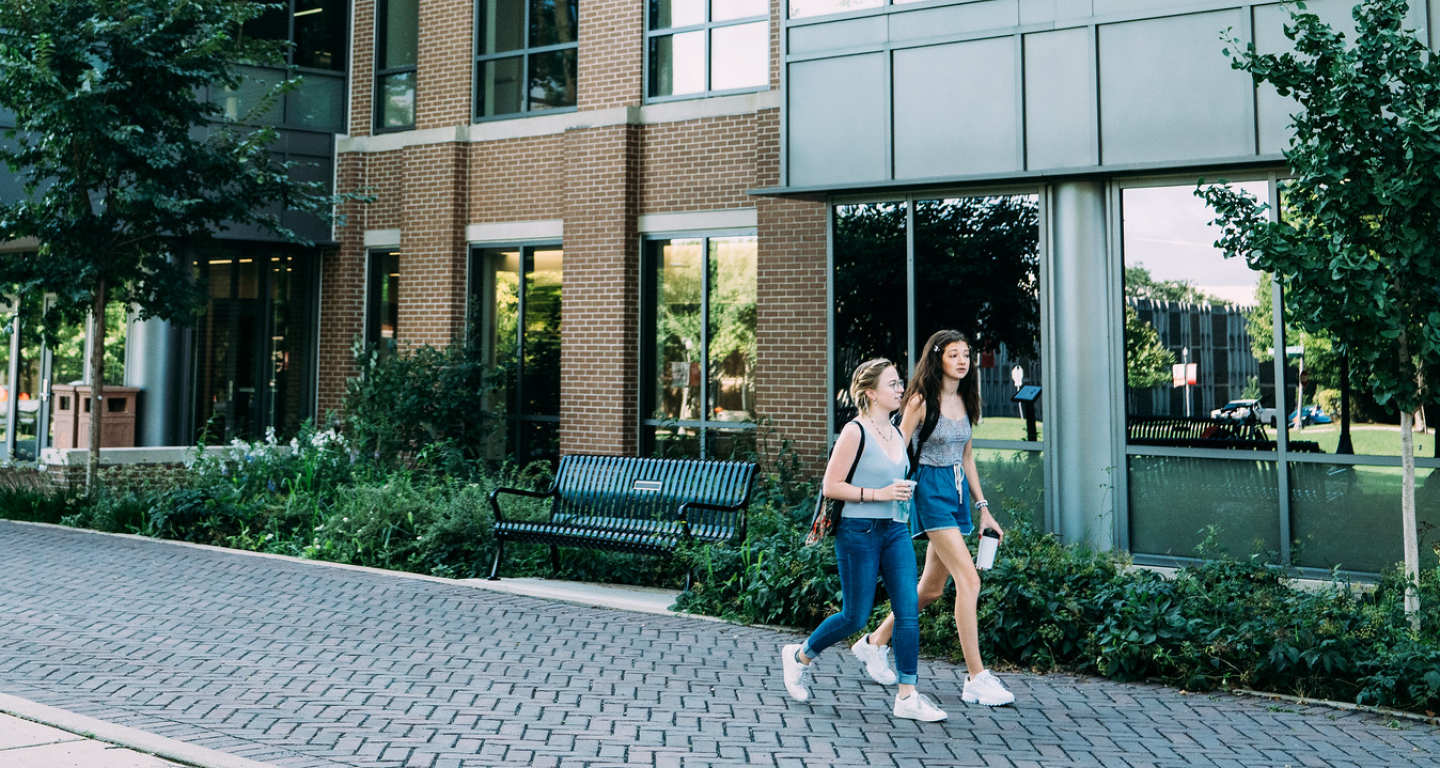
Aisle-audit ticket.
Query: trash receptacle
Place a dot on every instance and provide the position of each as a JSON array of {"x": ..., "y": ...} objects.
[{"x": 71, "y": 416}]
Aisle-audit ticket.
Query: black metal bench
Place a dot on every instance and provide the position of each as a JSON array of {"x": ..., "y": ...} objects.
[{"x": 628, "y": 504}]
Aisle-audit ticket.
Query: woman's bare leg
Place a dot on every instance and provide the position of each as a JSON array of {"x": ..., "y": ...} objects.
[
  {"x": 949, "y": 547},
  {"x": 931, "y": 586}
]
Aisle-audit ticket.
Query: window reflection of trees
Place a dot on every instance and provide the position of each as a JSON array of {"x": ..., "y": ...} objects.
[
  {"x": 703, "y": 373},
  {"x": 976, "y": 269}
]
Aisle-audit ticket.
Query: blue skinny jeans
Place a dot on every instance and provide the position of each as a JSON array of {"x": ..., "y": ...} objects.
[{"x": 867, "y": 548}]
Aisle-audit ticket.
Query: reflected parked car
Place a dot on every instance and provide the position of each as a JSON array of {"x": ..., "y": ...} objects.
[
  {"x": 1247, "y": 411},
  {"x": 1310, "y": 414}
]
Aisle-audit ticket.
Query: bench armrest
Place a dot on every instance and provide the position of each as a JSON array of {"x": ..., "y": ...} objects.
[
  {"x": 684, "y": 513},
  {"x": 494, "y": 495}
]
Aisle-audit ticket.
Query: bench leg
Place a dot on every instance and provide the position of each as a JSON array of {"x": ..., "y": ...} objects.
[
  {"x": 554, "y": 560},
  {"x": 495, "y": 566}
]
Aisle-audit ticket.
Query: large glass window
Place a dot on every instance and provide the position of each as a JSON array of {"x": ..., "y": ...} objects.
[
  {"x": 975, "y": 267},
  {"x": 905, "y": 269},
  {"x": 699, "y": 345},
  {"x": 382, "y": 308},
  {"x": 526, "y": 54},
  {"x": 708, "y": 46},
  {"x": 397, "y": 49},
  {"x": 318, "y": 32},
  {"x": 515, "y": 299},
  {"x": 1200, "y": 390},
  {"x": 28, "y": 368}
]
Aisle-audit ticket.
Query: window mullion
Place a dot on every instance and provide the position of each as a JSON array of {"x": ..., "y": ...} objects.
[{"x": 704, "y": 346}]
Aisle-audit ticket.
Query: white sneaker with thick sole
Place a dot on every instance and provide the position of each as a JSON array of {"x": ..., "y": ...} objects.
[
  {"x": 795, "y": 672},
  {"x": 986, "y": 689},
  {"x": 918, "y": 706},
  {"x": 876, "y": 659}
]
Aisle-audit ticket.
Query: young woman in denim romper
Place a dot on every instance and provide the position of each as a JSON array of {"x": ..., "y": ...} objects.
[
  {"x": 947, "y": 488},
  {"x": 873, "y": 539}
]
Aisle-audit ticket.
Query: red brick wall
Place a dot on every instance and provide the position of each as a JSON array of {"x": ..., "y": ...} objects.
[
  {"x": 699, "y": 165},
  {"x": 598, "y": 367},
  {"x": 790, "y": 341},
  {"x": 342, "y": 291},
  {"x": 362, "y": 67},
  {"x": 432, "y": 246},
  {"x": 612, "y": 41},
  {"x": 445, "y": 64},
  {"x": 598, "y": 180},
  {"x": 518, "y": 180}
]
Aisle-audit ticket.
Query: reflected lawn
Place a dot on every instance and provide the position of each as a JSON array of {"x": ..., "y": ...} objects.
[
  {"x": 1367, "y": 439},
  {"x": 1012, "y": 428}
]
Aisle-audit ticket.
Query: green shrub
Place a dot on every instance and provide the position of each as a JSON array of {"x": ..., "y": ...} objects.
[{"x": 424, "y": 408}]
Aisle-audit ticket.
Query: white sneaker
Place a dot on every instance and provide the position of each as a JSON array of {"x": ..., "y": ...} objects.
[
  {"x": 794, "y": 672},
  {"x": 986, "y": 689},
  {"x": 876, "y": 659},
  {"x": 918, "y": 706}
]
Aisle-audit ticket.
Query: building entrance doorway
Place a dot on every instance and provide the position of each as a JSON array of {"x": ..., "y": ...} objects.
[{"x": 255, "y": 346}]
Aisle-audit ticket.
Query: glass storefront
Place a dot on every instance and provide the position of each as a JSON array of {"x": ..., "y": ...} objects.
[
  {"x": 904, "y": 269},
  {"x": 1222, "y": 459}
]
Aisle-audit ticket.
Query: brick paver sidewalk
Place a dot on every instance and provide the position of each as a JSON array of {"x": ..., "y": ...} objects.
[{"x": 305, "y": 666}]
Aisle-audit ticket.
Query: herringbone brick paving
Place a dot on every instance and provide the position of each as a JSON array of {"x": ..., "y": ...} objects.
[{"x": 305, "y": 666}]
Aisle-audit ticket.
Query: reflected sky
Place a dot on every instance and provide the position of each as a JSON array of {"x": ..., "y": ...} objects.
[{"x": 1167, "y": 231}]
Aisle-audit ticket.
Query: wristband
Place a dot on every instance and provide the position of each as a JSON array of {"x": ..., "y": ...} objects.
[{"x": 981, "y": 503}]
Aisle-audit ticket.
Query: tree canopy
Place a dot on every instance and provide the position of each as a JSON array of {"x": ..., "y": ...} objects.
[{"x": 126, "y": 166}]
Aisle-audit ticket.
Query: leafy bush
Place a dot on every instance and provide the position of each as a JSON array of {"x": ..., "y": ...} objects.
[{"x": 424, "y": 408}]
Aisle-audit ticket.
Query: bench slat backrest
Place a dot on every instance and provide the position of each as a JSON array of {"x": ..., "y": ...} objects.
[{"x": 636, "y": 493}]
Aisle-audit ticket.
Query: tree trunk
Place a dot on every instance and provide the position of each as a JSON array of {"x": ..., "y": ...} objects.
[
  {"x": 97, "y": 386},
  {"x": 1407, "y": 515}
]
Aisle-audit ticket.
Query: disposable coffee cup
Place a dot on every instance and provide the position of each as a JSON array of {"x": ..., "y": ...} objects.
[{"x": 989, "y": 542}]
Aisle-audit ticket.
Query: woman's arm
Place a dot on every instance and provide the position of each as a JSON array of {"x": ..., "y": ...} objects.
[
  {"x": 977, "y": 498},
  {"x": 913, "y": 417},
  {"x": 847, "y": 449}
]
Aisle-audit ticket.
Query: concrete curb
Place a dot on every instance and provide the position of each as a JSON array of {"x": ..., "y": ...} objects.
[{"x": 123, "y": 736}]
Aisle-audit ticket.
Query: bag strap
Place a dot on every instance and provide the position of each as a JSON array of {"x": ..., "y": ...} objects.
[
  {"x": 927, "y": 428},
  {"x": 851, "y": 475}
]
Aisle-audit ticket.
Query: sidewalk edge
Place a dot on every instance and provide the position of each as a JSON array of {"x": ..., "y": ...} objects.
[{"x": 123, "y": 736}]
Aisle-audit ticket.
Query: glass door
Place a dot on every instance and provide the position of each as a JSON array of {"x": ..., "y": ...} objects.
[{"x": 254, "y": 347}]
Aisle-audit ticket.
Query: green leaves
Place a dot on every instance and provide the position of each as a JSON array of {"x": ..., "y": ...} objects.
[
  {"x": 122, "y": 154},
  {"x": 1359, "y": 230}
]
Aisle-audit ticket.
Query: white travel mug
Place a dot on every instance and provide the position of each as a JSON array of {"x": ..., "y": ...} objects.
[{"x": 989, "y": 542}]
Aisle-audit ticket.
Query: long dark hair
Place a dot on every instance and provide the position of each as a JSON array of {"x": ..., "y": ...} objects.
[{"x": 930, "y": 374}]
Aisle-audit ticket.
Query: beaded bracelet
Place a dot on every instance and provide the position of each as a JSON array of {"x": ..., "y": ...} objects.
[{"x": 981, "y": 503}]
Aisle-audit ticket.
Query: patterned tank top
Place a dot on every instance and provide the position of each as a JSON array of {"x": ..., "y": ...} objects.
[{"x": 946, "y": 446}]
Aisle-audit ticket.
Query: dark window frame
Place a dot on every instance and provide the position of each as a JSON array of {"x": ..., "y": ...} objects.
[
  {"x": 382, "y": 73},
  {"x": 525, "y": 53},
  {"x": 374, "y": 295},
  {"x": 515, "y": 420},
  {"x": 646, "y": 423},
  {"x": 707, "y": 26}
]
